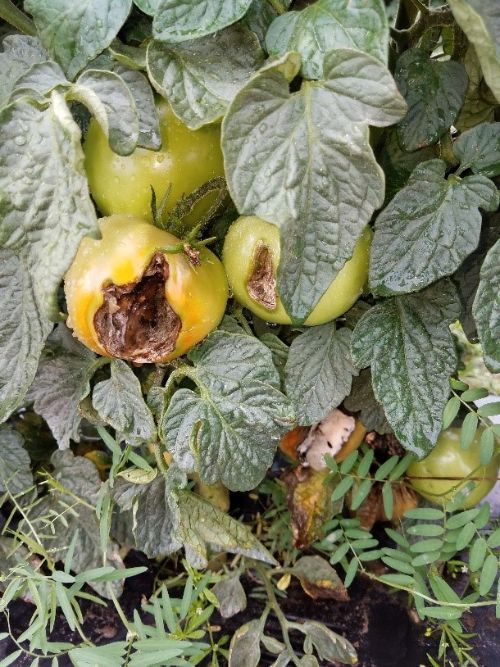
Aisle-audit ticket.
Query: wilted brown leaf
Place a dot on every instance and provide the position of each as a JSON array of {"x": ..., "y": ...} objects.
[
  {"x": 309, "y": 502},
  {"x": 319, "y": 579}
]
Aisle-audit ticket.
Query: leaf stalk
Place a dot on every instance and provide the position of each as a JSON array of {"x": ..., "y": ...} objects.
[{"x": 16, "y": 18}]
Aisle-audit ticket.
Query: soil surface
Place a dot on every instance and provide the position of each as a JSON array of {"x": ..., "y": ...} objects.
[{"x": 381, "y": 626}]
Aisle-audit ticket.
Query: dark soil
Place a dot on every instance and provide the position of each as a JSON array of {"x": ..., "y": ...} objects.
[
  {"x": 381, "y": 626},
  {"x": 378, "y": 624}
]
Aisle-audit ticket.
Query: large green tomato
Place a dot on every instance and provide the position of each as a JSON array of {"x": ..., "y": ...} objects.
[
  {"x": 186, "y": 160},
  {"x": 251, "y": 256},
  {"x": 449, "y": 460}
]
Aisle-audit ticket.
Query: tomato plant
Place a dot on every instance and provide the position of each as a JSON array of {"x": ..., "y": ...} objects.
[
  {"x": 354, "y": 147},
  {"x": 251, "y": 257},
  {"x": 449, "y": 468},
  {"x": 127, "y": 298},
  {"x": 185, "y": 161}
]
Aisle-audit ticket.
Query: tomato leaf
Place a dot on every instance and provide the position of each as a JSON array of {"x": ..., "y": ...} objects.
[
  {"x": 120, "y": 403},
  {"x": 279, "y": 351},
  {"x": 428, "y": 228},
  {"x": 140, "y": 89},
  {"x": 319, "y": 371},
  {"x": 23, "y": 332},
  {"x": 286, "y": 161},
  {"x": 167, "y": 517},
  {"x": 318, "y": 579},
  {"x": 15, "y": 463},
  {"x": 398, "y": 164},
  {"x": 486, "y": 308},
  {"x": 231, "y": 596},
  {"x": 260, "y": 16},
  {"x": 200, "y": 77},
  {"x": 245, "y": 645},
  {"x": 19, "y": 53},
  {"x": 179, "y": 20},
  {"x": 155, "y": 518},
  {"x": 480, "y": 20},
  {"x": 62, "y": 381},
  {"x": 46, "y": 208},
  {"x": 467, "y": 277},
  {"x": 45, "y": 197},
  {"x": 362, "y": 400},
  {"x": 228, "y": 430},
  {"x": 329, "y": 646},
  {"x": 39, "y": 81},
  {"x": 326, "y": 25},
  {"x": 479, "y": 149},
  {"x": 75, "y": 32},
  {"x": 109, "y": 99},
  {"x": 434, "y": 91},
  {"x": 480, "y": 103},
  {"x": 200, "y": 523},
  {"x": 408, "y": 343},
  {"x": 148, "y": 6},
  {"x": 149, "y": 123}
]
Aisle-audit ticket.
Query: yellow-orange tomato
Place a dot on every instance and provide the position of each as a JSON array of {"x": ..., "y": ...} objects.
[
  {"x": 290, "y": 441},
  {"x": 252, "y": 248},
  {"x": 128, "y": 299},
  {"x": 186, "y": 160}
]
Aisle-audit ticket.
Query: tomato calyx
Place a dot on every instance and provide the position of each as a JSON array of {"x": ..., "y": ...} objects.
[
  {"x": 261, "y": 285},
  {"x": 136, "y": 322},
  {"x": 173, "y": 222},
  {"x": 191, "y": 243},
  {"x": 189, "y": 247}
]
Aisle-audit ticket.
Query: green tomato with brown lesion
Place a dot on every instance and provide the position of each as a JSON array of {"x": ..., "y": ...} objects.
[
  {"x": 251, "y": 257},
  {"x": 448, "y": 469}
]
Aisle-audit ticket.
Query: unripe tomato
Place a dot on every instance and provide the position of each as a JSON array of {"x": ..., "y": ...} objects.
[
  {"x": 186, "y": 160},
  {"x": 449, "y": 460},
  {"x": 128, "y": 299},
  {"x": 251, "y": 256}
]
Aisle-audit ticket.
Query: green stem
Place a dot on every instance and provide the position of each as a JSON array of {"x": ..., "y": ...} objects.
[
  {"x": 129, "y": 650},
  {"x": 274, "y": 606},
  {"x": 445, "y": 148},
  {"x": 16, "y": 18},
  {"x": 420, "y": 6},
  {"x": 160, "y": 461},
  {"x": 38, "y": 656},
  {"x": 173, "y": 379},
  {"x": 130, "y": 628},
  {"x": 237, "y": 313},
  {"x": 18, "y": 507},
  {"x": 172, "y": 249},
  {"x": 277, "y": 6},
  {"x": 185, "y": 245},
  {"x": 438, "y": 18}
]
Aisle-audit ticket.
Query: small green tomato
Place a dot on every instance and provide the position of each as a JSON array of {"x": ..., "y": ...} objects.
[{"x": 251, "y": 256}]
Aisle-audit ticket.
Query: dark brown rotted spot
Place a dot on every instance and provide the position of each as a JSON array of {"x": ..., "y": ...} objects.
[
  {"x": 261, "y": 285},
  {"x": 136, "y": 322}
]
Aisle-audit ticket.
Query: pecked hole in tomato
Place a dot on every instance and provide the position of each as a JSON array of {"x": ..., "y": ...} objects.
[{"x": 136, "y": 322}]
